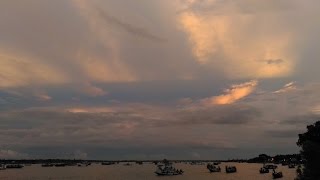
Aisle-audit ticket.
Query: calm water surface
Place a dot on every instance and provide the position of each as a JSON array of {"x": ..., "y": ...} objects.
[{"x": 141, "y": 172}]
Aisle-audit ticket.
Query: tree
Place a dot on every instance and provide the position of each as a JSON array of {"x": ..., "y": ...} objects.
[{"x": 310, "y": 151}]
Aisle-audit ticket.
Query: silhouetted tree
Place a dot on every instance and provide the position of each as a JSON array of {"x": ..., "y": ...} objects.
[{"x": 310, "y": 144}]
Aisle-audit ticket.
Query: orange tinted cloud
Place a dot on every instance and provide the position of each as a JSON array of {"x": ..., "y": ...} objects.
[
  {"x": 235, "y": 93},
  {"x": 101, "y": 68},
  {"x": 17, "y": 70},
  {"x": 98, "y": 69},
  {"x": 238, "y": 43}
]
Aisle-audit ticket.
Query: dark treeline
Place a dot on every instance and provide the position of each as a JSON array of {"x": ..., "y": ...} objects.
[
  {"x": 259, "y": 159},
  {"x": 277, "y": 159}
]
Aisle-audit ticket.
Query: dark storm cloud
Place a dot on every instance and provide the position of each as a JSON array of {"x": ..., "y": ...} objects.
[
  {"x": 199, "y": 145},
  {"x": 284, "y": 133},
  {"x": 227, "y": 114}
]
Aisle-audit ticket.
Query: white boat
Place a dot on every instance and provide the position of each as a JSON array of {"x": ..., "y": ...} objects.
[{"x": 167, "y": 170}]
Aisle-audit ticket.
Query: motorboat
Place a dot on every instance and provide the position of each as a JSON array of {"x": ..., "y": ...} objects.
[
  {"x": 270, "y": 166},
  {"x": 213, "y": 168},
  {"x": 107, "y": 163},
  {"x": 14, "y": 166},
  {"x": 60, "y": 165},
  {"x": 264, "y": 170},
  {"x": 231, "y": 169},
  {"x": 277, "y": 175},
  {"x": 47, "y": 165},
  {"x": 167, "y": 170},
  {"x": 127, "y": 164}
]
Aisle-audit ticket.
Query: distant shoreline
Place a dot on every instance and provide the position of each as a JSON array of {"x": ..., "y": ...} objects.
[{"x": 262, "y": 158}]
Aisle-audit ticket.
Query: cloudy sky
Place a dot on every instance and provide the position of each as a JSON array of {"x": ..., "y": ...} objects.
[{"x": 152, "y": 79}]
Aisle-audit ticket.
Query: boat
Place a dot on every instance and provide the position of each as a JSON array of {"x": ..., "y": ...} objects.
[
  {"x": 71, "y": 164},
  {"x": 196, "y": 163},
  {"x": 2, "y": 167},
  {"x": 270, "y": 166},
  {"x": 60, "y": 165},
  {"x": 87, "y": 163},
  {"x": 213, "y": 168},
  {"x": 127, "y": 164},
  {"x": 167, "y": 170},
  {"x": 264, "y": 170},
  {"x": 82, "y": 164},
  {"x": 47, "y": 165},
  {"x": 231, "y": 169},
  {"x": 107, "y": 163},
  {"x": 14, "y": 166},
  {"x": 277, "y": 175}
]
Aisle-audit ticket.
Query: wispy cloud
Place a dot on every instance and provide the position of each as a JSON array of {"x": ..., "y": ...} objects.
[
  {"x": 43, "y": 97},
  {"x": 235, "y": 93},
  {"x": 127, "y": 27},
  {"x": 287, "y": 88},
  {"x": 91, "y": 90},
  {"x": 19, "y": 71},
  {"x": 105, "y": 20}
]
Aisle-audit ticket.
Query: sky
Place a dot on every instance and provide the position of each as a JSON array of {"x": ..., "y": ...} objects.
[{"x": 154, "y": 79}]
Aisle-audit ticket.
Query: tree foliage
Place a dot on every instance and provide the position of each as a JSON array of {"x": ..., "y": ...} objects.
[{"x": 310, "y": 151}]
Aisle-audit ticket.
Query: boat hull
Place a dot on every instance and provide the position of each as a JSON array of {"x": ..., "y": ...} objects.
[{"x": 167, "y": 174}]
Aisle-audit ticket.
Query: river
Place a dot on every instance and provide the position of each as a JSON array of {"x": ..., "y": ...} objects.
[{"x": 140, "y": 172}]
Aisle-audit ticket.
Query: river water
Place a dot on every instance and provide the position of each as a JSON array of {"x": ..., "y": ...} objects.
[{"x": 141, "y": 172}]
